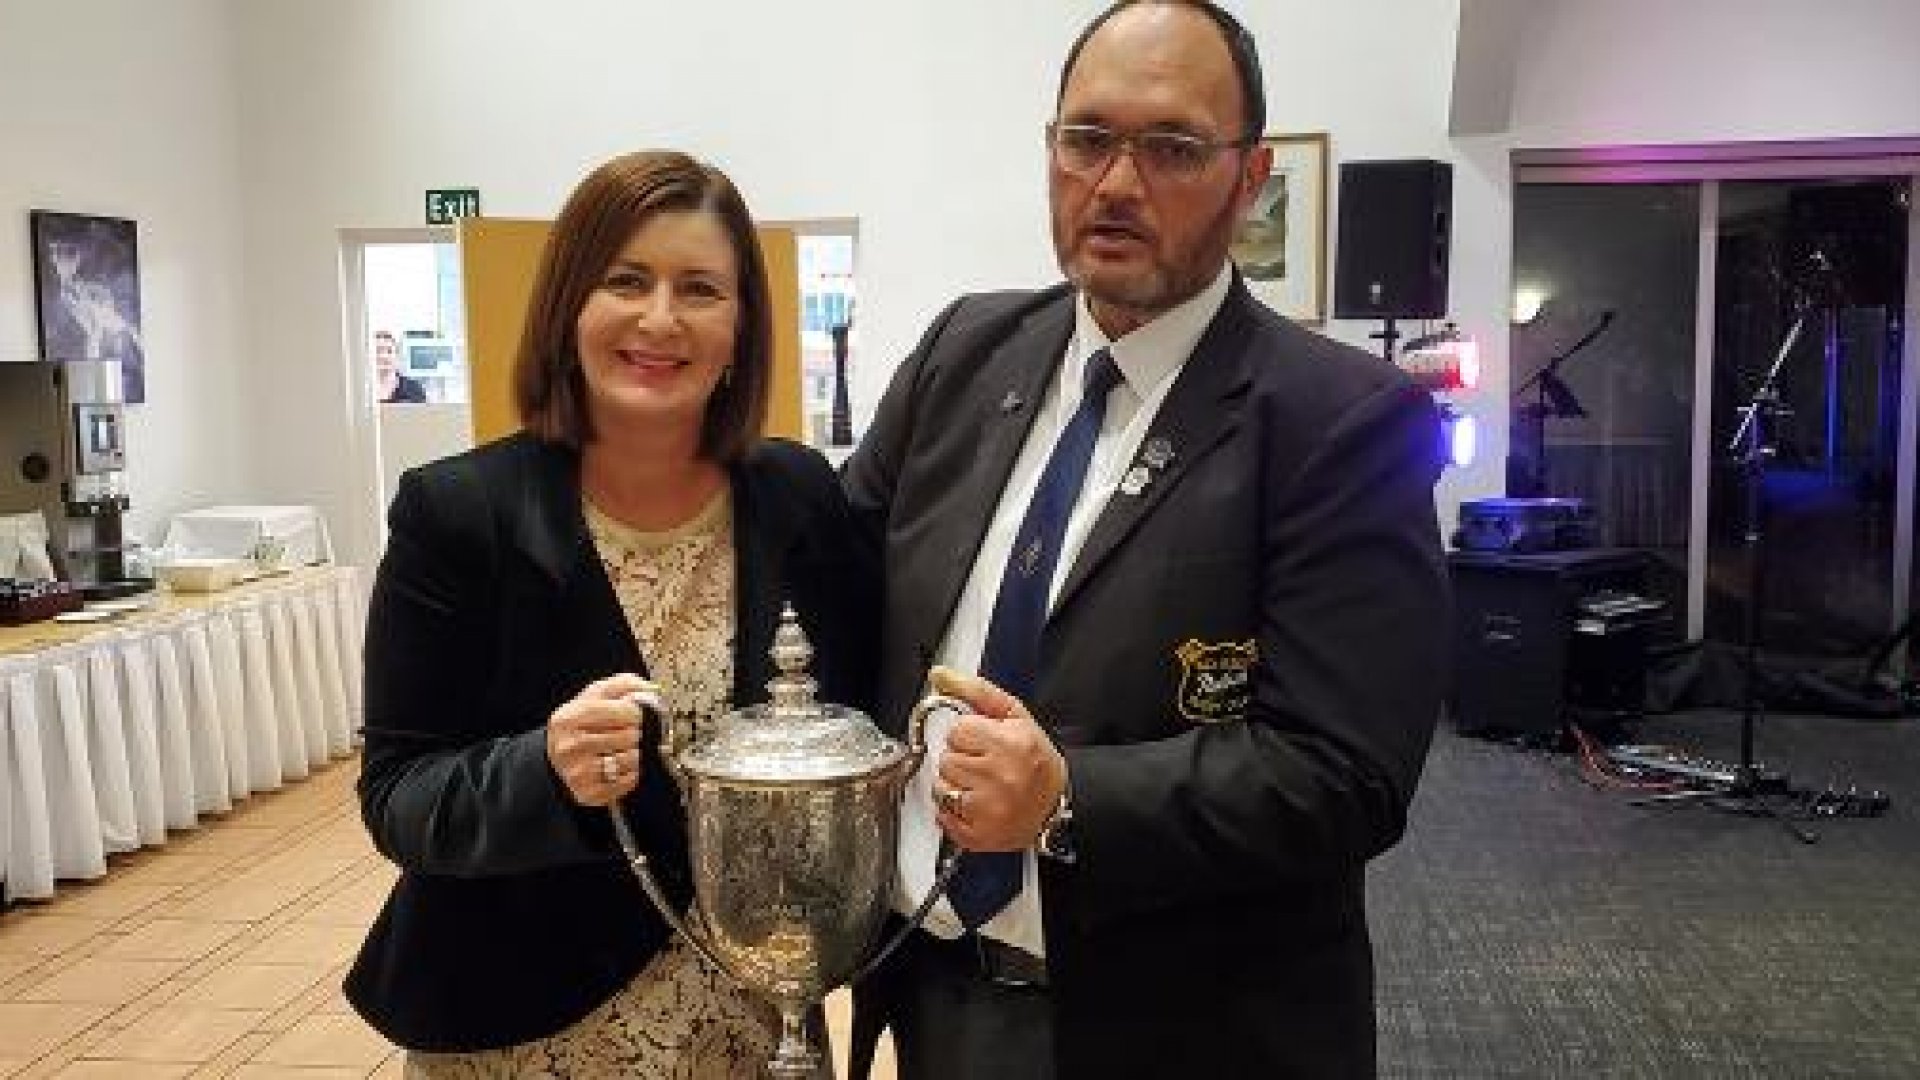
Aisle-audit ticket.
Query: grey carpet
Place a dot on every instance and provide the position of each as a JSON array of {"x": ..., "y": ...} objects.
[{"x": 1532, "y": 926}]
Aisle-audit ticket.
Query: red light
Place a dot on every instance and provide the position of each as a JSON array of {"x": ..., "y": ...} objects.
[
  {"x": 1469, "y": 351},
  {"x": 1444, "y": 366}
]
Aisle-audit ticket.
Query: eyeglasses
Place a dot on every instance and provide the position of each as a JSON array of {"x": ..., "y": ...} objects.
[{"x": 1089, "y": 149}]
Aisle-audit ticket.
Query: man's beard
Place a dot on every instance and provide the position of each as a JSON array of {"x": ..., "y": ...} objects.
[{"x": 1164, "y": 285}]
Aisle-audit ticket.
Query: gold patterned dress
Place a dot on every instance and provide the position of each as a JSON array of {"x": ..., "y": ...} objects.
[{"x": 677, "y": 1018}]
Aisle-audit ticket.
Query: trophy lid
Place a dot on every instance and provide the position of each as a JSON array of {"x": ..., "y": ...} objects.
[{"x": 793, "y": 738}]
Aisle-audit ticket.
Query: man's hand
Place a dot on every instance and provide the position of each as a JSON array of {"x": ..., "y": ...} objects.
[{"x": 1001, "y": 777}]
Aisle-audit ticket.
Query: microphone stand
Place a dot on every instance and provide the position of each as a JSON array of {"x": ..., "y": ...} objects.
[
  {"x": 1389, "y": 338},
  {"x": 1751, "y": 787},
  {"x": 1552, "y": 398},
  {"x": 1752, "y": 447}
]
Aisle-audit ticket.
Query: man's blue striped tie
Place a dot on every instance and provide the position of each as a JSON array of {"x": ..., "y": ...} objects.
[{"x": 987, "y": 881}]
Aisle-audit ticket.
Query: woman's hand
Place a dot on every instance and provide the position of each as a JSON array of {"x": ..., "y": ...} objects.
[{"x": 593, "y": 741}]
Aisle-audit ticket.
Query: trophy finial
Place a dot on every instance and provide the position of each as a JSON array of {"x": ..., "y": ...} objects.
[{"x": 793, "y": 688}]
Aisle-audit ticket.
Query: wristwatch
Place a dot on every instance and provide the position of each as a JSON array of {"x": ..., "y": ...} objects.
[{"x": 1056, "y": 836}]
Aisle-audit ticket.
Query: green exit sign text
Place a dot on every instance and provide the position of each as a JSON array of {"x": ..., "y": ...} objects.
[{"x": 444, "y": 205}]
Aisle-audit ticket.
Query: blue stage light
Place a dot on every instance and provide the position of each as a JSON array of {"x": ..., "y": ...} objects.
[{"x": 1459, "y": 437}]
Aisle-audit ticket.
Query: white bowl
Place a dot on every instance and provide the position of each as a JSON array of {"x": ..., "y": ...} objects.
[{"x": 190, "y": 575}]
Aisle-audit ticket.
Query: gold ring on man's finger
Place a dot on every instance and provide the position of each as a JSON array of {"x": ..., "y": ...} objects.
[
  {"x": 952, "y": 799},
  {"x": 609, "y": 768}
]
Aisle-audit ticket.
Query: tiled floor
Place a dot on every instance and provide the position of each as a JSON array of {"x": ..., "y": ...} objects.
[{"x": 217, "y": 955}]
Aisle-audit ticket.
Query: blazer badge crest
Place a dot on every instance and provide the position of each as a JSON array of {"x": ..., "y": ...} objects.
[{"x": 1216, "y": 679}]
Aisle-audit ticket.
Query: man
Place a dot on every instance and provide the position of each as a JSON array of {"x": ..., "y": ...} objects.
[
  {"x": 1200, "y": 578},
  {"x": 390, "y": 385}
]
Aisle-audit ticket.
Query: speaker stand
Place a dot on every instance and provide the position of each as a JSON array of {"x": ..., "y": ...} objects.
[{"x": 1389, "y": 338}]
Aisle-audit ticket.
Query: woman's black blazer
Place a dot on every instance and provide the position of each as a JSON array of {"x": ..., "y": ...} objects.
[{"x": 514, "y": 915}]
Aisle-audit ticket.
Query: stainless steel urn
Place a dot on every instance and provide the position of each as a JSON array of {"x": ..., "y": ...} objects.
[{"x": 792, "y": 819}]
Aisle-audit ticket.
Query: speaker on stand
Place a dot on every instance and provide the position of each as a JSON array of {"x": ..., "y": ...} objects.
[{"x": 1395, "y": 233}]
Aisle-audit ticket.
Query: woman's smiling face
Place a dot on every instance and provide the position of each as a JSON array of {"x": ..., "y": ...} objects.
[{"x": 658, "y": 331}]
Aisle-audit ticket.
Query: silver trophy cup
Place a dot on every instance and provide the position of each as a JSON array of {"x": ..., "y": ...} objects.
[{"x": 792, "y": 818}]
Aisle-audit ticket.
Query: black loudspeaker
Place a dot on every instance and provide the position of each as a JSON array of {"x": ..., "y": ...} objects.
[
  {"x": 1540, "y": 638},
  {"x": 1396, "y": 221}
]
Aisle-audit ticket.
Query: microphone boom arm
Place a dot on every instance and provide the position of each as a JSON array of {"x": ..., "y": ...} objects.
[
  {"x": 1552, "y": 366},
  {"x": 1768, "y": 389}
]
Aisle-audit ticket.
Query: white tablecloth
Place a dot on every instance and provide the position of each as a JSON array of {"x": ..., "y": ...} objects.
[
  {"x": 108, "y": 742},
  {"x": 233, "y": 532}
]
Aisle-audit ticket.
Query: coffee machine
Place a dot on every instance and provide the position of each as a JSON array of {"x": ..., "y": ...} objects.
[{"x": 63, "y": 453}]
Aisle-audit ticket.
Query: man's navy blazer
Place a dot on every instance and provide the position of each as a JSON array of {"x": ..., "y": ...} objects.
[{"x": 1243, "y": 667}]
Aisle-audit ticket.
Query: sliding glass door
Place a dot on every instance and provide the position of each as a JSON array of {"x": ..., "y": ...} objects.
[
  {"x": 1603, "y": 358},
  {"x": 1811, "y": 275},
  {"x": 1651, "y": 302}
]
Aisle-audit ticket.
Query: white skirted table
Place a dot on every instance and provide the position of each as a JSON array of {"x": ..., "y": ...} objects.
[{"x": 114, "y": 733}]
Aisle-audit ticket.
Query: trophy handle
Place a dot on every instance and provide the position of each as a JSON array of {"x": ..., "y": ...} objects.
[
  {"x": 675, "y": 734},
  {"x": 643, "y": 871},
  {"x": 949, "y": 855},
  {"x": 673, "y": 742},
  {"x": 917, "y": 723}
]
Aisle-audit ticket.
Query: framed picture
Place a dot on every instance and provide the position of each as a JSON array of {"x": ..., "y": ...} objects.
[
  {"x": 87, "y": 293},
  {"x": 1282, "y": 245}
]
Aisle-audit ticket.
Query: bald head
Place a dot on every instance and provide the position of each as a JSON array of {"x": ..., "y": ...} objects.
[
  {"x": 1239, "y": 52},
  {"x": 1139, "y": 227}
]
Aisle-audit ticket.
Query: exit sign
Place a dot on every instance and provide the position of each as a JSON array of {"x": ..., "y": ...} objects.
[{"x": 445, "y": 205}]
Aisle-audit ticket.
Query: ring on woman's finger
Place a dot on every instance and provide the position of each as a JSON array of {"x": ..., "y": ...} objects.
[
  {"x": 609, "y": 768},
  {"x": 951, "y": 800}
]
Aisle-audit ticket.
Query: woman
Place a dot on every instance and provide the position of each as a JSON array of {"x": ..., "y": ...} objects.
[{"x": 637, "y": 527}]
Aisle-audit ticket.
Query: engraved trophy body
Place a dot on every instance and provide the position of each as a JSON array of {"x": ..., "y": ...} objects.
[{"x": 792, "y": 821}]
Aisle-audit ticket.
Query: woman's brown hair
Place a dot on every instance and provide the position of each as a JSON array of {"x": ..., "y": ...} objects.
[{"x": 600, "y": 215}]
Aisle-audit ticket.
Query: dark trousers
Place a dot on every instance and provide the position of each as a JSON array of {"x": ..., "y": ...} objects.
[{"x": 953, "y": 1015}]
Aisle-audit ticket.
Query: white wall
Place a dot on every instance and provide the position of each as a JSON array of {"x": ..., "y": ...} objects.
[
  {"x": 415, "y": 434},
  {"x": 921, "y": 119},
  {"x": 1610, "y": 72},
  {"x": 125, "y": 108}
]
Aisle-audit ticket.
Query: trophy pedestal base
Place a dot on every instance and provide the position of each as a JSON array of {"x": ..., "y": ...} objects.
[{"x": 795, "y": 1058}]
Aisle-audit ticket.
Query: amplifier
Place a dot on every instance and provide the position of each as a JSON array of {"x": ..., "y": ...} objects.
[
  {"x": 1525, "y": 526},
  {"x": 1538, "y": 638}
]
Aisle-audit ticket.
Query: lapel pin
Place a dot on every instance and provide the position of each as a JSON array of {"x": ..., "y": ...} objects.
[
  {"x": 1158, "y": 453},
  {"x": 1135, "y": 481},
  {"x": 1011, "y": 402}
]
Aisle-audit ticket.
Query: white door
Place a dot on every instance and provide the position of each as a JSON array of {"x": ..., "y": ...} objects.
[{"x": 406, "y": 357}]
